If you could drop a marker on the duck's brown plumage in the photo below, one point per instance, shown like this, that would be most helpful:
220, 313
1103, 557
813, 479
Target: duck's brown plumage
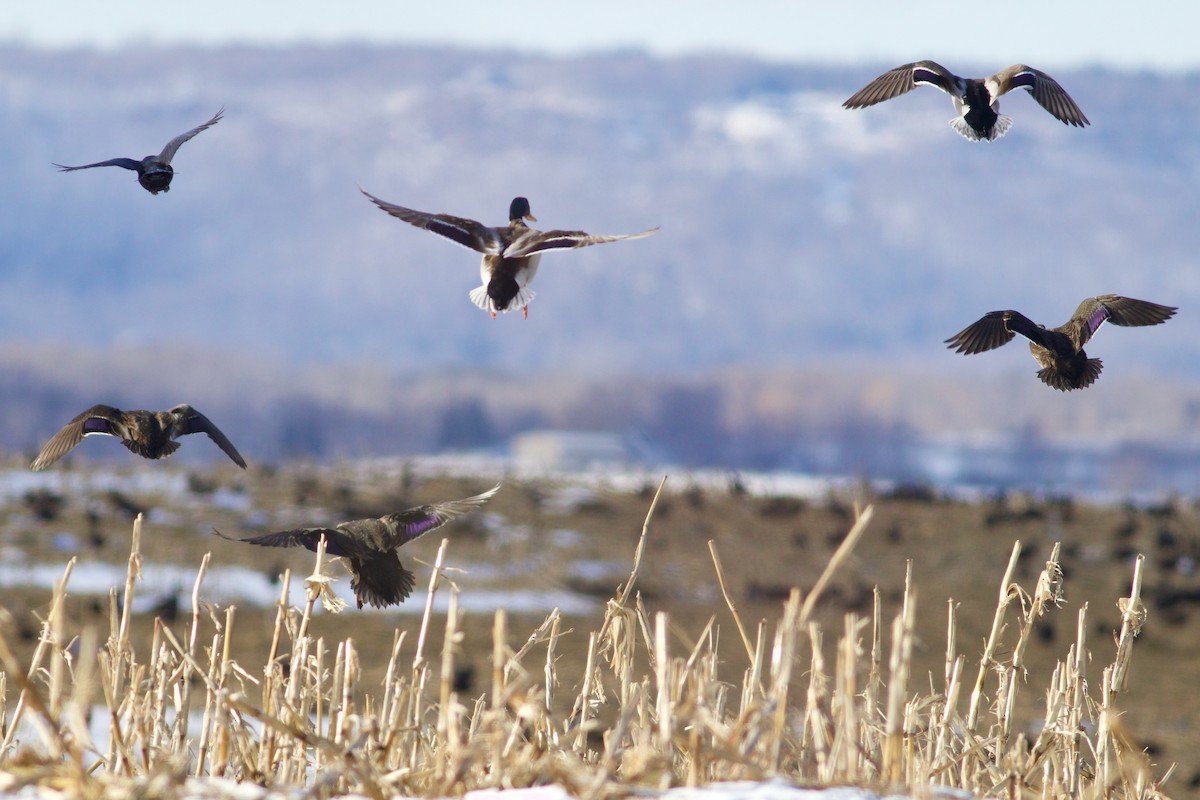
1059, 351
371, 546
151, 434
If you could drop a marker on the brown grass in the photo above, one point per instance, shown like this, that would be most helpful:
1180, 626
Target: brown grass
652, 707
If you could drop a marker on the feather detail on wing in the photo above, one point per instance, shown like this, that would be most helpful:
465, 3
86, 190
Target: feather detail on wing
414, 522
901, 80
168, 152
1127, 311
99, 419
991, 331
1048, 93
127, 163
540, 242
463, 231
195, 422
336, 542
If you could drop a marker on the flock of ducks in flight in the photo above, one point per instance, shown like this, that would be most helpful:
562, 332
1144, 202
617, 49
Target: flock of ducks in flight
510, 258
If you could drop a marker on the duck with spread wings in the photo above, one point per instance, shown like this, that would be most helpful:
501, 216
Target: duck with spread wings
371, 546
1059, 351
511, 254
976, 100
154, 172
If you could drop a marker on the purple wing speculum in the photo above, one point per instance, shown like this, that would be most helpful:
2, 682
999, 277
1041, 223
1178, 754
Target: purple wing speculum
424, 524
96, 425
1097, 318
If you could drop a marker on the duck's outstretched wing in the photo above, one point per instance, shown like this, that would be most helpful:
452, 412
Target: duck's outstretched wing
541, 241
337, 543
408, 525
904, 79
1125, 311
168, 152
1045, 90
99, 419
992, 330
466, 232
127, 163
192, 421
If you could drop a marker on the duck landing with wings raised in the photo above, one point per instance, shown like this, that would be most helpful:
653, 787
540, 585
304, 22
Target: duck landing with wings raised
154, 172
1059, 351
510, 254
371, 546
977, 100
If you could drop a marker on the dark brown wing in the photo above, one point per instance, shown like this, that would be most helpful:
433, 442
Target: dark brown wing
992, 330
168, 152
1045, 90
99, 419
1130, 312
408, 525
466, 232
127, 163
1125, 311
337, 543
195, 422
901, 80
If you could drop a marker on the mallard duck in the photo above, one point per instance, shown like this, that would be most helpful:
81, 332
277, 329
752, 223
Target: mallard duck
371, 546
1059, 351
150, 434
975, 99
154, 172
510, 254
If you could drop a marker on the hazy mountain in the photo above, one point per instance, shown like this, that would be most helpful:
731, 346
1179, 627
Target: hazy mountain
790, 227
794, 232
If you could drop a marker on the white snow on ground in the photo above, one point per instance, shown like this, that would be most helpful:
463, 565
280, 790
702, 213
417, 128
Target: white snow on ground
243, 586
226, 789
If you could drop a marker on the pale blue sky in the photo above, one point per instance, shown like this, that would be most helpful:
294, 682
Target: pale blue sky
1046, 33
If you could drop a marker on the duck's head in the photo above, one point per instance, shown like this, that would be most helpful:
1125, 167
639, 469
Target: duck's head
519, 210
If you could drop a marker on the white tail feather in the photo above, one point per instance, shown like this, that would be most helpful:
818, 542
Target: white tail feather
479, 297
1002, 126
482, 299
963, 129
1003, 123
524, 297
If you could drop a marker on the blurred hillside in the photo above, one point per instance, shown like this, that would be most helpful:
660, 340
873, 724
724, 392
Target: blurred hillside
811, 259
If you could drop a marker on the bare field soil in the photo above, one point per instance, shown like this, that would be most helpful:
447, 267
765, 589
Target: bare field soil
573, 541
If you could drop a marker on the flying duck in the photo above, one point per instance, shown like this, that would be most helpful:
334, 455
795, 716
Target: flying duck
510, 254
975, 99
1059, 351
150, 434
371, 546
154, 172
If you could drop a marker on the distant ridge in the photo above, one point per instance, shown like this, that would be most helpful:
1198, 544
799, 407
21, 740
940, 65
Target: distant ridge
791, 228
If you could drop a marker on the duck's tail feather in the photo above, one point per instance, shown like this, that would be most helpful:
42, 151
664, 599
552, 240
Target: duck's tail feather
1003, 123
481, 298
